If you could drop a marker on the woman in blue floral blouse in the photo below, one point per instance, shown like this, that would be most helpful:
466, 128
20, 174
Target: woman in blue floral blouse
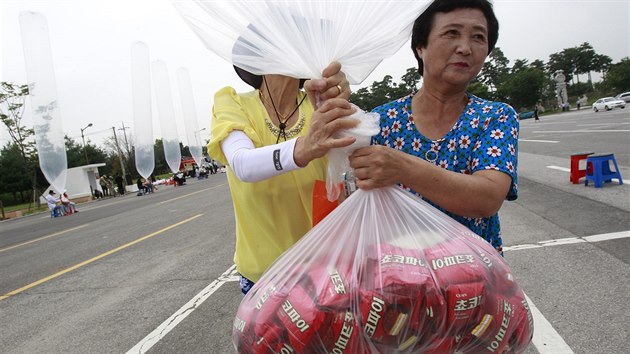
455, 150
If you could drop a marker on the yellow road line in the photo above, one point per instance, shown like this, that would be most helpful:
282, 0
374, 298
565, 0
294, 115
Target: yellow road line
42, 238
76, 266
189, 194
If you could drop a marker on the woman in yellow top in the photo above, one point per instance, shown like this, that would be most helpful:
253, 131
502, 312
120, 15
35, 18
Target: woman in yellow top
273, 143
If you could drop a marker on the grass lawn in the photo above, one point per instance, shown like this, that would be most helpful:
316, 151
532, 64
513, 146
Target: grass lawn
25, 208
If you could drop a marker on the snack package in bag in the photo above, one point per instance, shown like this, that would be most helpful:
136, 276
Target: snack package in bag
385, 272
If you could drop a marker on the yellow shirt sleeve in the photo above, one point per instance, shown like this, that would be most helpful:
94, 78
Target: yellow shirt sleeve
230, 112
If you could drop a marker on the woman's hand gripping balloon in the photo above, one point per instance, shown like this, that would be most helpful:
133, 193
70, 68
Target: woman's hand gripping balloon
333, 84
330, 95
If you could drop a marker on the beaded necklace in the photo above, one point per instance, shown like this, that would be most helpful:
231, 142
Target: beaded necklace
281, 129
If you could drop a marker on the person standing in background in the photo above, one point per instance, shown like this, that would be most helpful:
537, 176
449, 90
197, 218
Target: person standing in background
119, 184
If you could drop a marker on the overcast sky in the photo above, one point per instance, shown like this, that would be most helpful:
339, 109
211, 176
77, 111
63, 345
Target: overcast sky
91, 42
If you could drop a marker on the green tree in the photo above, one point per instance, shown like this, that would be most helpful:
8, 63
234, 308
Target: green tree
161, 166
494, 70
524, 87
385, 90
578, 60
14, 173
601, 63
12, 98
478, 89
409, 81
75, 153
617, 78
563, 62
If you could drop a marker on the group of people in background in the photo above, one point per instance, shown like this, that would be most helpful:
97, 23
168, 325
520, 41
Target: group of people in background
60, 206
111, 186
145, 185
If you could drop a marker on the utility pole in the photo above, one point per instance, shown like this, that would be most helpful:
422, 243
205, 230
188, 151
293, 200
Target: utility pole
124, 129
127, 149
87, 162
122, 165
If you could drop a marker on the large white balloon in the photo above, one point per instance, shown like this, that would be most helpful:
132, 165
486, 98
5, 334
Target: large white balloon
193, 133
49, 137
142, 117
299, 38
164, 98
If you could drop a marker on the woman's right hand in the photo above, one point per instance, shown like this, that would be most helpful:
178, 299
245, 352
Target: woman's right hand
321, 136
333, 84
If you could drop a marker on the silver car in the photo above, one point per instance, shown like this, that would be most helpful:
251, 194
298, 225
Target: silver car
624, 97
608, 103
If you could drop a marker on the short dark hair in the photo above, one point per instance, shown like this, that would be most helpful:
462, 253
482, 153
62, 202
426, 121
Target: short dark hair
424, 23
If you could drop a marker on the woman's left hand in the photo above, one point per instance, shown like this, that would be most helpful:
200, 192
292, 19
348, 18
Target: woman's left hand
376, 166
333, 85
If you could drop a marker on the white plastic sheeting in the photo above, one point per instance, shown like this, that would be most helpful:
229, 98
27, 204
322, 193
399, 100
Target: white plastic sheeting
299, 38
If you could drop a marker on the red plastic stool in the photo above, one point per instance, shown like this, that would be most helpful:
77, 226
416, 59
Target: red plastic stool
598, 169
576, 173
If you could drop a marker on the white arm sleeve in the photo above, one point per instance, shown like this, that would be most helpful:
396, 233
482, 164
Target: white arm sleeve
252, 164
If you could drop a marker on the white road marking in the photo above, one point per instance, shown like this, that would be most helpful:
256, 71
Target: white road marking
582, 131
546, 339
570, 240
564, 169
600, 124
189, 194
538, 141
162, 330
606, 237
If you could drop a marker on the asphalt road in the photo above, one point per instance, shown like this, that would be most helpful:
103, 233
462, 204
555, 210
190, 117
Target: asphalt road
155, 273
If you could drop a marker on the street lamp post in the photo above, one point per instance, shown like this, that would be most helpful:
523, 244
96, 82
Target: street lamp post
87, 162
198, 137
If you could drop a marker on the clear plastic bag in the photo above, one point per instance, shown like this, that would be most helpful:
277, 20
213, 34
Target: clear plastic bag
338, 165
385, 272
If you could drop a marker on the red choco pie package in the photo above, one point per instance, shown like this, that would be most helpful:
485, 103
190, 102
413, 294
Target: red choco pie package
385, 273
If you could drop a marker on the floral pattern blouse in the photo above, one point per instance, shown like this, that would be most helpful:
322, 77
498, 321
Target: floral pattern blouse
484, 137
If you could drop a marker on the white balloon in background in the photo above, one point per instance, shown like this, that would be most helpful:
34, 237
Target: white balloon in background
170, 139
193, 133
49, 137
142, 118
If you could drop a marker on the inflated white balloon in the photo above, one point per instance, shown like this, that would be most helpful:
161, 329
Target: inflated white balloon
49, 137
142, 117
166, 112
193, 133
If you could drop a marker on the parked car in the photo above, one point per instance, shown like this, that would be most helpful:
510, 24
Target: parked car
624, 97
608, 103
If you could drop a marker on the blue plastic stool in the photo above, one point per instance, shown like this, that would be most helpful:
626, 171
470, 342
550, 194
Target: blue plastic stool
598, 169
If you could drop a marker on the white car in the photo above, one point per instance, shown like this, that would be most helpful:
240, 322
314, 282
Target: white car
608, 103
